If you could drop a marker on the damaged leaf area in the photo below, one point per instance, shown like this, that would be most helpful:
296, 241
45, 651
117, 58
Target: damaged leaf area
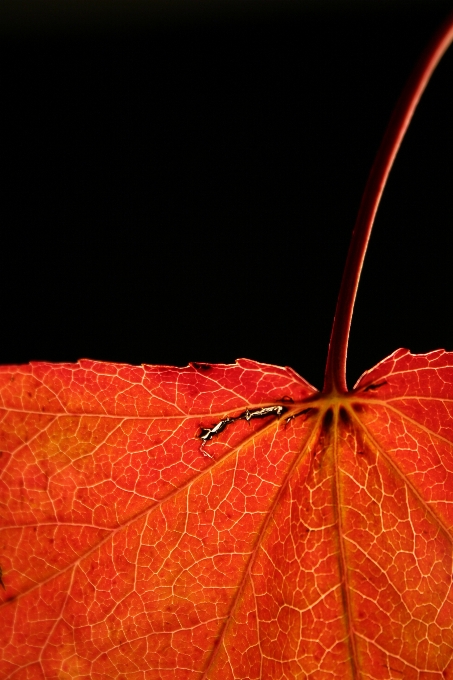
140, 539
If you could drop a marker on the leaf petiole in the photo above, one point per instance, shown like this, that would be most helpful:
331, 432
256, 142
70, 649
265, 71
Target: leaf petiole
335, 373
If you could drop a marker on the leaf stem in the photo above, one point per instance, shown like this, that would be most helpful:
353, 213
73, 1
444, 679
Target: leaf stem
335, 375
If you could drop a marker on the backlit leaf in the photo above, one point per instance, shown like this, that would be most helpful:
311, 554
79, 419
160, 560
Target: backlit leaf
314, 546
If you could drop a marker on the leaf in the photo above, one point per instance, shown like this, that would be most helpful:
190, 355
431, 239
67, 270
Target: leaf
315, 546
229, 521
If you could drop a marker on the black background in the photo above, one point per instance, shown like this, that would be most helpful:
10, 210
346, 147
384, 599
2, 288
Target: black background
180, 184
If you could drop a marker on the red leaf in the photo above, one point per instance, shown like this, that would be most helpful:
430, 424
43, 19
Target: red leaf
231, 522
320, 544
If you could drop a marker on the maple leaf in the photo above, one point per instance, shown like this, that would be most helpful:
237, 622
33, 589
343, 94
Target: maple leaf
230, 521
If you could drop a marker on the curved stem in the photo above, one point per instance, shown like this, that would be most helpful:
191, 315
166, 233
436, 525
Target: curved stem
335, 375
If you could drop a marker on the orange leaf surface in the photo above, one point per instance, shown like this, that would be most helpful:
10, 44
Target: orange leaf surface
230, 522
311, 546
